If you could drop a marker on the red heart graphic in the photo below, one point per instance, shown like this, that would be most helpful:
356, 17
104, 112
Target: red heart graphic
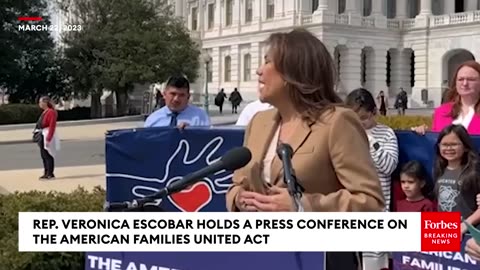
193, 198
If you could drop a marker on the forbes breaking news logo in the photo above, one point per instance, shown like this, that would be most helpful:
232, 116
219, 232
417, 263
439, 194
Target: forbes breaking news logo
441, 231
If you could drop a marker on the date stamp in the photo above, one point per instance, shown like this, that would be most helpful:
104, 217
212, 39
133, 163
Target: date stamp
49, 28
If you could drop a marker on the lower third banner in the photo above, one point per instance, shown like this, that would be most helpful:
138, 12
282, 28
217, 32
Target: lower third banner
205, 261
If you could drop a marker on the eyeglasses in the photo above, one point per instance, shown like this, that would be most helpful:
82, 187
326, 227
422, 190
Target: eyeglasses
450, 145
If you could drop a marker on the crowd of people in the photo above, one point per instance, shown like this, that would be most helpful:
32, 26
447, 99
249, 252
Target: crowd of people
340, 140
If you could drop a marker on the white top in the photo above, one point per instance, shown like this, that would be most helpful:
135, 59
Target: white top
269, 156
465, 121
250, 110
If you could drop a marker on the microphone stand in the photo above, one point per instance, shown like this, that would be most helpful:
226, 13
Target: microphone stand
133, 206
294, 189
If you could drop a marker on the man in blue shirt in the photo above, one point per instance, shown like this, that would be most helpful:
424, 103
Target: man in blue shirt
177, 111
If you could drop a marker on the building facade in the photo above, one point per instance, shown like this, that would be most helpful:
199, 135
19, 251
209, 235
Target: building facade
377, 44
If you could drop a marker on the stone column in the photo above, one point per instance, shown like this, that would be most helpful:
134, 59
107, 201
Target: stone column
350, 67
255, 58
323, 13
216, 67
400, 70
421, 72
425, 7
236, 13
448, 7
322, 6
235, 65
376, 68
351, 6
471, 5
352, 9
333, 6
218, 16
401, 9
377, 8
179, 8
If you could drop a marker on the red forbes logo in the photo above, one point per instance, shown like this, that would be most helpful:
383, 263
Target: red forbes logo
441, 231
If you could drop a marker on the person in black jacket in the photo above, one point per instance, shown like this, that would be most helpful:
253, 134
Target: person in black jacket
235, 99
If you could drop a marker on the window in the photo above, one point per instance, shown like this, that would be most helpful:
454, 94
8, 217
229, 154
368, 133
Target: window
194, 18
228, 12
248, 11
367, 8
228, 69
246, 67
270, 9
341, 6
314, 5
211, 15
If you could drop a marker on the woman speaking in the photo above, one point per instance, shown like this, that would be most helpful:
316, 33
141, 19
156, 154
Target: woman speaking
331, 155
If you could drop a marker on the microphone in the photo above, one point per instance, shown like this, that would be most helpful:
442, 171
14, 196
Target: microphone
232, 160
285, 154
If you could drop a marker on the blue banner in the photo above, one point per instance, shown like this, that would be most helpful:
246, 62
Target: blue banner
142, 161
435, 260
204, 261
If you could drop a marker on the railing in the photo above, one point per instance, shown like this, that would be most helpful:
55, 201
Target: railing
406, 24
307, 19
457, 18
341, 19
368, 22
392, 24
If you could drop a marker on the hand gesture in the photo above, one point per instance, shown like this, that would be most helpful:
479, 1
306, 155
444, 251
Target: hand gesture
420, 130
473, 249
243, 201
277, 200
182, 125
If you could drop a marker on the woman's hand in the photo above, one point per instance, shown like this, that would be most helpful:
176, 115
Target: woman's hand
277, 200
463, 229
242, 201
478, 200
420, 129
473, 249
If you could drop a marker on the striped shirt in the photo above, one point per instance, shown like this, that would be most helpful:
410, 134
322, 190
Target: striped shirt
384, 152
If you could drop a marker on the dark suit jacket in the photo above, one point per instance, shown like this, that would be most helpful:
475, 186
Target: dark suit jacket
331, 159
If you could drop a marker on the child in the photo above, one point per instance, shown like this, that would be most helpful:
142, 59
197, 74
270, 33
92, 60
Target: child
384, 153
382, 139
457, 174
414, 185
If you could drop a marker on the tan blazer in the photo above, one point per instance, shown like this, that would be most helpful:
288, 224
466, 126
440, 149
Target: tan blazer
331, 160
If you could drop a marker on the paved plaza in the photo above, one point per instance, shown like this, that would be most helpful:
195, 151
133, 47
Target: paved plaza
81, 161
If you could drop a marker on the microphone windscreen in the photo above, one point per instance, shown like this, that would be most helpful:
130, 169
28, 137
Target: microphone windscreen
284, 149
236, 158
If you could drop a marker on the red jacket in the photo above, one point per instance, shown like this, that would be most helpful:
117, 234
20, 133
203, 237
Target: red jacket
50, 121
